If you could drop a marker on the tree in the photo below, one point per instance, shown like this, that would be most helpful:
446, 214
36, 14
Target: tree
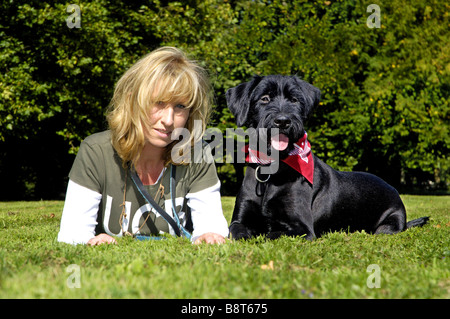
55, 84
384, 105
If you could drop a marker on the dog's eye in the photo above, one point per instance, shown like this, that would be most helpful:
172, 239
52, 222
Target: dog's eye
294, 100
265, 99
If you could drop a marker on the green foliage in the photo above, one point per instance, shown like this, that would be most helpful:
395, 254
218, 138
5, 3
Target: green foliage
52, 71
384, 90
413, 264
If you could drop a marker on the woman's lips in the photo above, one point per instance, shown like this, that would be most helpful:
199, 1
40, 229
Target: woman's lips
163, 133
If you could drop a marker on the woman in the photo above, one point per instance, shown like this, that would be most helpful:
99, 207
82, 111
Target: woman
162, 92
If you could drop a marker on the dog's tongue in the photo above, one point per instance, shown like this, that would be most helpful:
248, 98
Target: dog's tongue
280, 142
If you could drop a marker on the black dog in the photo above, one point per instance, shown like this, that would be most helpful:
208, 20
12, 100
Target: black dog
308, 198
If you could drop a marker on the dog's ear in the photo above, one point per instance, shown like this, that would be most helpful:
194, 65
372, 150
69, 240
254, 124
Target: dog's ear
238, 99
311, 95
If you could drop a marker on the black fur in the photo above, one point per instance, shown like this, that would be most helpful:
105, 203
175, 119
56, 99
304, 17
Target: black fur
287, 204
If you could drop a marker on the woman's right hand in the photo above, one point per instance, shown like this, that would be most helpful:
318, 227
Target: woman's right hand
101, 239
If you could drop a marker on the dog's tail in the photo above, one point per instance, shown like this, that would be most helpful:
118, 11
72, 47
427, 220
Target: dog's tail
419, 222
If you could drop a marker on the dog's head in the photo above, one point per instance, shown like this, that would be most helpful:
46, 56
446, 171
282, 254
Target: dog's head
274, 102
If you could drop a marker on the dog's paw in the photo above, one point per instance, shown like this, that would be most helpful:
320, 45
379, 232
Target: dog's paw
239, 231
240, 235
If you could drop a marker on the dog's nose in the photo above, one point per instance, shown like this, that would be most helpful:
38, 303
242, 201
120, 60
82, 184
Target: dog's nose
282, 122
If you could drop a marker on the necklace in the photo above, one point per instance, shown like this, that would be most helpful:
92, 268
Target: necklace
123, 214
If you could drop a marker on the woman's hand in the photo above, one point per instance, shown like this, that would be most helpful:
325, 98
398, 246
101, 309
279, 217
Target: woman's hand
101, 239
210, 238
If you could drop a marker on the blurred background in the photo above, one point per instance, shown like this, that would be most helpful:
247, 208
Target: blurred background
384, 77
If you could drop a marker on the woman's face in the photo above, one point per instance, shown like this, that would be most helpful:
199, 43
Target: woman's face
164, 117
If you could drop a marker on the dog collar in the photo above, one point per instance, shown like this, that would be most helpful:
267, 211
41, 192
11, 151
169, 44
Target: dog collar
300, 158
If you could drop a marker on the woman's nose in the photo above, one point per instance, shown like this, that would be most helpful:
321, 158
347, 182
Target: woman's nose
167, 116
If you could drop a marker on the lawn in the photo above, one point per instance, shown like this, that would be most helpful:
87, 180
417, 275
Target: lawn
412, 264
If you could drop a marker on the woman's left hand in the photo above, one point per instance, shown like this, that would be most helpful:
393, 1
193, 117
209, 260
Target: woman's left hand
210, 238
101, 239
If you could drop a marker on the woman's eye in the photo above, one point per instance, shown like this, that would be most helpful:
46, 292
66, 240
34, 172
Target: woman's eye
265, 99
180, 106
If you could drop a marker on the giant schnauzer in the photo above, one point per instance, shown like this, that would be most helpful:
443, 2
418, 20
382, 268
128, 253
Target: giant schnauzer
304, 196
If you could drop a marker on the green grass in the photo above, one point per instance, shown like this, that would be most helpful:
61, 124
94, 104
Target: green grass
413, 264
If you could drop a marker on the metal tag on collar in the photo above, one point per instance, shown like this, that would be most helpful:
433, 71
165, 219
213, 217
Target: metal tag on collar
258, 179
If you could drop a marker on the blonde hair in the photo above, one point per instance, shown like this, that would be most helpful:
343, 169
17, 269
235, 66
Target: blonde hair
163, 75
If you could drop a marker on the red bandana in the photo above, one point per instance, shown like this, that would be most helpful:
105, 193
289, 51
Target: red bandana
300, 158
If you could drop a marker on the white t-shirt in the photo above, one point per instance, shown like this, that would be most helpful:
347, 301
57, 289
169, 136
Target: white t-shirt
95, 197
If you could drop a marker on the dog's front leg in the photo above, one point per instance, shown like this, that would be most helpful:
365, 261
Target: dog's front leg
288, 214
247, 220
